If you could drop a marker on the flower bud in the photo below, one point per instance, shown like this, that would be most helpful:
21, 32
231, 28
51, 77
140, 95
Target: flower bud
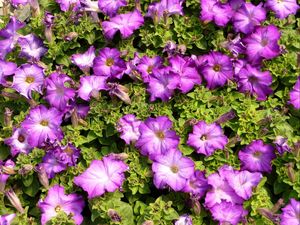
14, 200
148, 222
120, 156
291, 172
113, 214
226, 117
7, 117
25, 169
120, 91
70, 36
42, 175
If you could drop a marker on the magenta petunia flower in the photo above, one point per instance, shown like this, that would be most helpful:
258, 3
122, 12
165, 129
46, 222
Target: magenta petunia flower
31, 47
251, 80
58, 94
6, 46
282, 8
146, 65
16, 3
128, 126
109, 63
156, 136
262, 44
247, 17
69, 154
10, 30
66, 5
85, 60
216, 11
109, 7
3, 176
295, 95
6, 69
236, 4
184, 220
172, 169
197, 184
90, 86
125, 23
290, 213
7, 219
18, 142
28, 78
228, 213
162, 84
101, 176
235, 46
186, 71
57, 201
257, 157
207, 138
52, 164
89, 6
281, 145
217, 70
42, 124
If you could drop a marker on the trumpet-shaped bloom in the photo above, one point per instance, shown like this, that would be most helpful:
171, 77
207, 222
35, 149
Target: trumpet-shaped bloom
295, 95
281, 145
18, 142
101, 176
169, 7
184, 220
10, 30
6, 69
197, 184
66, 5
57, 201
85, 60
146, 65
7, 219
90, 86
128, 126
283, 8
111, 8
31, 47
3, 176
290, 213
172, 169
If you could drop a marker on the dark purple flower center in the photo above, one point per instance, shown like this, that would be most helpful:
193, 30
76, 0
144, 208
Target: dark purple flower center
203, 137
160, 134
57, 208
69, 151
264, 42
29, 79
21, 138
252, 79
257, 154
149, 69
44, 123
174, 169
217, 68
109, 62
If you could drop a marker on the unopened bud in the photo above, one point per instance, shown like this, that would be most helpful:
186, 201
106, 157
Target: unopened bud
196, 207
278, 205
269, 214
113, 214
35, 7
7, 117
120, 156
148, 222
14, 200
291, 172
226, 117
70, 36
25, 169
181, 49
42, 175
7, 170
120, 91
74, 117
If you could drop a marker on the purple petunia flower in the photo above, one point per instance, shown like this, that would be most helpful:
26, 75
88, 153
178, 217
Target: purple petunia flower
109, 7
257, 157
109, 63
247, 17
281, 144
214, 10
66, 5
42, 124
28, 78
206, 138
7, 219
186, 71
162, 84
146, 65
283, 8
16, 3
156, 136
125, 23
10, 30
262, 44
255, 82
31, 47
52, 164
184, 220
128, 126
85, 60
217, 70
228, 213
6, 69
6, 46
290, 213
57, 201
58, 94
90, 86
69, 154
172, 169
18, 142
295, 95
235, 45
197, 184
3, 176
102, 175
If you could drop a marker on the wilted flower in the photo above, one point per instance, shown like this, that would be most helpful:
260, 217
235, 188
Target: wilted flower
85, 60
128, 126
125, 23
68, 154
257, 157
109, 7
184, 220
18, 142
66, 5
281, 144
156, 136
42, 124
197, 184
120, 91
206, 138
57, 201
28, 78
290, 213
6, 69
295, 95
3, 176
31, 47
172, 169
90, 86
146, 65
7, 219
283, 8
14, 200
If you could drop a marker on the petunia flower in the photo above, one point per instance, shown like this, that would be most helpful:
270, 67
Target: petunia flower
3, 176
90, 86
57, 201
17, 3
111, 8
184, 220
6, 69
18, 142
290, 213
206, 138
146, 65
257, 157
281, 145
262, 44
247, 17
109, 63
282, 8
42, 124
66, 5
28, 78
197, 184
6, 46
101, 176
52, 164
156, 136
31, 47
250, 79
217, 70
85, 60
295, 95
172, 169
128, 126
57, 93
125, 23
10, 30
6, 219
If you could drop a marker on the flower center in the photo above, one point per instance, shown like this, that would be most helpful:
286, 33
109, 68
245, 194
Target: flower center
44, 123
217, 67
69, 151
57, 208
60, 91
160, 134
264, 42
109, 62
252, 79
174, 169
149, 69
257, 154
21, 138
29, 79
203, 137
